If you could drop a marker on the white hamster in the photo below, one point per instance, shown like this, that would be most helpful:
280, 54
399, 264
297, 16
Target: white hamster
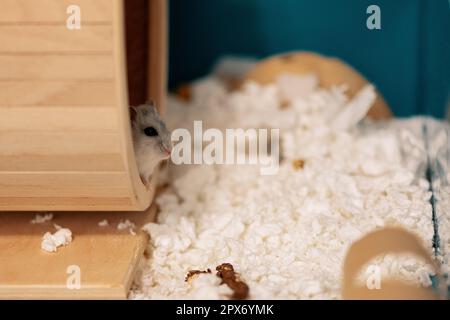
152, 140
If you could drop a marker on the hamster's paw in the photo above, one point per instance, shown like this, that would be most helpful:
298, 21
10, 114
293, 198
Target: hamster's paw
146, 181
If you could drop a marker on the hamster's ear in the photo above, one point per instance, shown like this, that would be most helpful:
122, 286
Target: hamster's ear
151, 104
133, 113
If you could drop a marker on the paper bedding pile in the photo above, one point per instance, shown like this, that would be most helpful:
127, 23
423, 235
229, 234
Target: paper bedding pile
287, 234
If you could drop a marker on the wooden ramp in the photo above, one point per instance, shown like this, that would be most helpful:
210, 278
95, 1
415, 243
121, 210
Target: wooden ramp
107, 257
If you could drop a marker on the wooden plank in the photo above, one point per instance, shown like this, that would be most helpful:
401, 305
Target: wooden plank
51, 119
53, 10
142, 196
56, 67
56, 192
57, 93
64, 190
55, 38
95, 182
58, 143
63, 180
107, 258
65, 204
157, 65
50, 163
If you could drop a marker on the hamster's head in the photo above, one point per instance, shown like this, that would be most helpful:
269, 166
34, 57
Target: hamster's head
151, 130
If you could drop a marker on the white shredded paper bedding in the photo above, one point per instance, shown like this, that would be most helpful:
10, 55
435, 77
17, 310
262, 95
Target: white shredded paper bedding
52, 241
286, 234
42, 218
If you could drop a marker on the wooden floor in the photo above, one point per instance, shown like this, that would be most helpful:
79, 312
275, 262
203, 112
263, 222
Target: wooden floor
107, 257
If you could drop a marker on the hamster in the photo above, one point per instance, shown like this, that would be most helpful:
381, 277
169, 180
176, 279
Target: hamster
151, 139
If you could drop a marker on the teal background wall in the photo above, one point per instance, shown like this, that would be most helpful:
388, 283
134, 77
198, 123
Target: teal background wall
408, 59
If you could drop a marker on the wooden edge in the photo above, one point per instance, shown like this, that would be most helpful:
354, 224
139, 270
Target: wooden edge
140, 196
157, 66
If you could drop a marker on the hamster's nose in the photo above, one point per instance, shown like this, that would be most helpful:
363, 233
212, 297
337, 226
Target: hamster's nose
168, 150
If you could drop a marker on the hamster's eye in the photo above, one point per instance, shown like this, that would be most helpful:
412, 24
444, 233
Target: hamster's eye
150, 132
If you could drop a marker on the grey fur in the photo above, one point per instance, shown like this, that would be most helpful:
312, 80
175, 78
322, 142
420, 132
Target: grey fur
149, 151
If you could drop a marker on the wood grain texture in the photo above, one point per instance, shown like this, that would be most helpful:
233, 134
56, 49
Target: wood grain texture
137, 46
62, 186
56, 67
105, 162
57, 93
67, 143
55, 38
66, 204
14, 11
83, 185
107, 257
58, 119
57, 139
157, 65
64, 180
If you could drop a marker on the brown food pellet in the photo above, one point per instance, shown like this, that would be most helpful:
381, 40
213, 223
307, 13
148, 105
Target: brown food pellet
234, 84
298, 164
193, 273
184, 92
284, 104
226, 272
